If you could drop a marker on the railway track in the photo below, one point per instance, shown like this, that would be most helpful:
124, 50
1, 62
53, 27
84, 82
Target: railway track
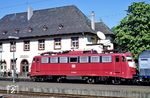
75, 90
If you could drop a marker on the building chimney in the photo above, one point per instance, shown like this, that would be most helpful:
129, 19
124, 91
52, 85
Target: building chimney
30, 13
93, 20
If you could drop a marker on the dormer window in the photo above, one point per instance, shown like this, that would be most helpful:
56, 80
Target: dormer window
16, 30
60, 26
30, 29
45, 28
4, 32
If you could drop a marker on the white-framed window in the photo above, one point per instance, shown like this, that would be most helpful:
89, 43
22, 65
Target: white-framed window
106, 59
13, 63
12, 46
54, 60
84, 59
63, 59
26, 45
74, 42
44, 60
95, 59
1, 47
41, 44
57, 43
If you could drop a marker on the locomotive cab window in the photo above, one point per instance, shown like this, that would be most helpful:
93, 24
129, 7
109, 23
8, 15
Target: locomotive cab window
54, 60
95, 59
44, 60
63, 59
123, 59
84, 59
106, 59
73, 59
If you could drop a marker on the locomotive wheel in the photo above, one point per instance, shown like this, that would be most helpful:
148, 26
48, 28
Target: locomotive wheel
116, 81
59, 80
41, 79
35, 79
90, 80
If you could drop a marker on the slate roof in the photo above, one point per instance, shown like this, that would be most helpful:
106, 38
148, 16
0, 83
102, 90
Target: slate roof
100, 26
70, 18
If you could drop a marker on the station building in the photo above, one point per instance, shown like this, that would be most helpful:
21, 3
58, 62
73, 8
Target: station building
24, 35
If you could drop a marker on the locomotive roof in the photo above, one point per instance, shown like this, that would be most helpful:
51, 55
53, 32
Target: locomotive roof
59, 20
145, 54
79, 53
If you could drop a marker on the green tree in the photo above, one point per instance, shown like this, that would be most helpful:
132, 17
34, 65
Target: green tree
133, 32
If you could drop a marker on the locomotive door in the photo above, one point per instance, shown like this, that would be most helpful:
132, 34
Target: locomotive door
37, 65
73, 67
118, 65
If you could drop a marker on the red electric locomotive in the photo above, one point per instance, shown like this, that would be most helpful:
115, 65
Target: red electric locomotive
86, 65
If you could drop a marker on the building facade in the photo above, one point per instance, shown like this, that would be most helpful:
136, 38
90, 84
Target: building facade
55, 29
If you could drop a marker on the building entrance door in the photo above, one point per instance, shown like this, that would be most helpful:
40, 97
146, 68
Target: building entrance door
3, 68
24, 68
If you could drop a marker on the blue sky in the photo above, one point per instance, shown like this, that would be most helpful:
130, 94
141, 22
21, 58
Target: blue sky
109, 11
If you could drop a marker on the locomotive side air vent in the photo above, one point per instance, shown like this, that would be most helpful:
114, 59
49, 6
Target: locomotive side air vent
67, 51
54, 53
90, 51
49, 53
